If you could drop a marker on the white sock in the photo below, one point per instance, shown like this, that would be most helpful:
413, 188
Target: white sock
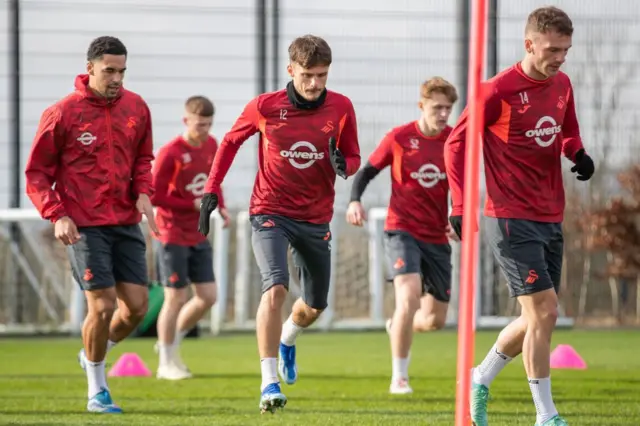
493, 364
541, 392
165, 353
290, 330
400, 368
269, 368
110, 345
96, 377
180, 335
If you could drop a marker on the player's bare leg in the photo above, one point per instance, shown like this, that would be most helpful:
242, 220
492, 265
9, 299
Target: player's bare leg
204, 297
507, 346
302, 316
268, 330
431, 316
408, 291
133, 302
101, 305
174, 300
541, 311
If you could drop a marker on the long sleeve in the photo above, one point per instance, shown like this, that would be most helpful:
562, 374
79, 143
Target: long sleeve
380, 158
165, 167
42, 167
571, 142
455, 147
348, 140
142, 180
361, 181
245, 126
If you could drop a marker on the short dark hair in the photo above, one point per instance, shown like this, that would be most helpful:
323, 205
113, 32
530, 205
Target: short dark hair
105, 45
549, 19
310, 51
200, 105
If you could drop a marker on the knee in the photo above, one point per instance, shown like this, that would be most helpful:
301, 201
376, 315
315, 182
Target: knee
310, 312
103, 308
174, 298
274, 298
207, 298
137, 310
408, 303
543, 310
408, 294
547, 314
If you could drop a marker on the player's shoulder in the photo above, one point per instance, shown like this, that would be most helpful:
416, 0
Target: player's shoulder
172, 148
63, 109
67, 103
444, 134
403, 130
133, 98
339, 100
212, 142
563, 79
269, 100
503, 83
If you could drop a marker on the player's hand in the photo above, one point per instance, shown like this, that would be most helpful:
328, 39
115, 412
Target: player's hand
207, 206
225, 217
356, 214
145, 207
451, 234
337, 159
65, 231
584, 166
456, 225
196, 203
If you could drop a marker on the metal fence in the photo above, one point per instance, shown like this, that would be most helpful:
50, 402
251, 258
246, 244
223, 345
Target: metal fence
382, 52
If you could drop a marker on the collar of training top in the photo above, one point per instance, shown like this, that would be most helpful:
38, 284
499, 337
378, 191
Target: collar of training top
300, 102
82, 86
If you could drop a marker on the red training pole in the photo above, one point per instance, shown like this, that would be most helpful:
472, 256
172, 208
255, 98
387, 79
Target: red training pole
469, 255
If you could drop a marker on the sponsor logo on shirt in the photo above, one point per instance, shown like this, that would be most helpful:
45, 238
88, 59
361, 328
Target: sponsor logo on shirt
302, 154
428, 175
196, 187
545, 131
86, 138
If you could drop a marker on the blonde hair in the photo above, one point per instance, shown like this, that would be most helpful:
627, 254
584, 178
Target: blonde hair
438, 85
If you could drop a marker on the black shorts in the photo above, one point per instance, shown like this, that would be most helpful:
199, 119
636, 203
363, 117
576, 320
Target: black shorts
179, 266
106, 255
407, 255
311, 249
529, 253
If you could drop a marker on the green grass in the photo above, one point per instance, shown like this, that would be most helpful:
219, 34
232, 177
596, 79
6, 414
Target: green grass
344, 380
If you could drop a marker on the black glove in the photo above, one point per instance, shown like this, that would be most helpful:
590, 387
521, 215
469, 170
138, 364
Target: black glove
207, 206
337, 159
584, 166
456, 225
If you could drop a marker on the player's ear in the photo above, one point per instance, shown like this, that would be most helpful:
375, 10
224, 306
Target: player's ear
184, 120
528, 45
90, 68
420, 105
290, 70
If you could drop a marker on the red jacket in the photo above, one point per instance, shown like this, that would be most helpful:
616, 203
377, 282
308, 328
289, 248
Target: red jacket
91, 158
